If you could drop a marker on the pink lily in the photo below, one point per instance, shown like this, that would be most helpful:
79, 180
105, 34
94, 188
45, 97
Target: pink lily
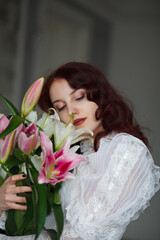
28, 139
5, 143
31, 97
56, 165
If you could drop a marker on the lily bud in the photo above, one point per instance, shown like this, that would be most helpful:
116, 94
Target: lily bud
28, 139
5, 143
31, 97
6, 146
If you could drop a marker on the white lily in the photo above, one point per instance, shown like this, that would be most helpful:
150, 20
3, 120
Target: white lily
47, 123
32, 117
74, 149
63, 131
37, 161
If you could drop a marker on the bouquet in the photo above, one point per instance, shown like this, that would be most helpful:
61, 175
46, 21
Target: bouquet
38, 145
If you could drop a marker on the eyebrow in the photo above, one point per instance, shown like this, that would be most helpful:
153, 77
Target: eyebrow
58, 100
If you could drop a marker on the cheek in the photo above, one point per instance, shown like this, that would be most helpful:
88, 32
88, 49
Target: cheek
63, 117
93, 112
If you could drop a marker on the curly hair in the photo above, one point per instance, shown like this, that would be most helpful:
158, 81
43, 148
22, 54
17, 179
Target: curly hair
114, 110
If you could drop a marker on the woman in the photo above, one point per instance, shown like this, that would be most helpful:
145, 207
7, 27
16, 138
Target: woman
118, 179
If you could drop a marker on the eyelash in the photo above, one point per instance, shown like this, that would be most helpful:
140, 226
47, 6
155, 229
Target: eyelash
60, 109
77, 99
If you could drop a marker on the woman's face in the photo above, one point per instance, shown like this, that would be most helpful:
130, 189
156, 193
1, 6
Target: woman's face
67, 100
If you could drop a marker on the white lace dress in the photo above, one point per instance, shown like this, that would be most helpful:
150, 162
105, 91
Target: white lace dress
111, 188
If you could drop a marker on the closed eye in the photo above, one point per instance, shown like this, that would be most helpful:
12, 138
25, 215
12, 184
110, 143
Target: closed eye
80, 97
61, 108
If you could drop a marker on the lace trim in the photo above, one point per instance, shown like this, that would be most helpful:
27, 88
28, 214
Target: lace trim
2, 220
151, 187
103, 233
44, 236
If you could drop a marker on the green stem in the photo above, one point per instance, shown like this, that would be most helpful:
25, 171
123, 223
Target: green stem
70, 119
6, 170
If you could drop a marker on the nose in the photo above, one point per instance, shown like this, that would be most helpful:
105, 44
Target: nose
73, 109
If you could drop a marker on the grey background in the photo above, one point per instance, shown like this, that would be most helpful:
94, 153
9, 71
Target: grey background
121, 37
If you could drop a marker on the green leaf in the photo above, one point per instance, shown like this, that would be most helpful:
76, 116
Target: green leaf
19, 217
26, 225
19, 154
56, 197
19, 214
10, 225
1, 181
58, 214
12, 161
14, 123
12, 108
41, 207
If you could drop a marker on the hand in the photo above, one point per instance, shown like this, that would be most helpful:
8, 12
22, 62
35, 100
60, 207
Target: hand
8, 194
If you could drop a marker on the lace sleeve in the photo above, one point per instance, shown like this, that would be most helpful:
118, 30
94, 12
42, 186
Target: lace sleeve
114, 189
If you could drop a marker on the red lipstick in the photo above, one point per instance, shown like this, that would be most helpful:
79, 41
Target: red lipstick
79, 121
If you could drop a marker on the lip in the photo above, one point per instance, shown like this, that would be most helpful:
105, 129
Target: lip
79, 121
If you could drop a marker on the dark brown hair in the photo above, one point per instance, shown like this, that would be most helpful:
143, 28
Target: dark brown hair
113, 109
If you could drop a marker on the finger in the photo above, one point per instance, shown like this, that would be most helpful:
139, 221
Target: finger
13, 179
18, 199
20, 189
14, 199
23, 189
16, 206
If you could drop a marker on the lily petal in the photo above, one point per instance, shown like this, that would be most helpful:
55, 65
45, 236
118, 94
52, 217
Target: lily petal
47, 123
32, 117
6, 146
4, 122
37, 161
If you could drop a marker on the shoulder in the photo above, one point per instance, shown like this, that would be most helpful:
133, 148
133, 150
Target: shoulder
121, 139
119, 149
123, 146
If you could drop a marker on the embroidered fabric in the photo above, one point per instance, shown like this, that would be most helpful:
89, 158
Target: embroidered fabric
2, 220
44, 236
111, 188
